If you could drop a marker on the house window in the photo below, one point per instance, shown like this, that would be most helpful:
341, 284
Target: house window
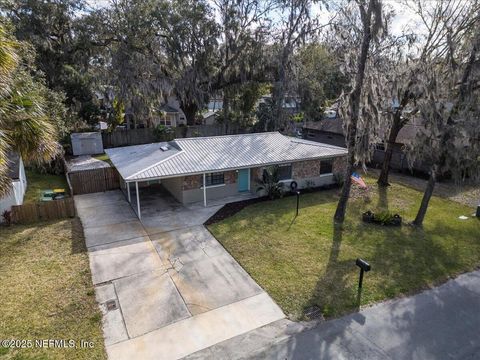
380, 146
285, 172
214, 179
326, 167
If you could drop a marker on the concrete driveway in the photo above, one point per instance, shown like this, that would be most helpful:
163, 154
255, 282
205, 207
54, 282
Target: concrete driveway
166, 287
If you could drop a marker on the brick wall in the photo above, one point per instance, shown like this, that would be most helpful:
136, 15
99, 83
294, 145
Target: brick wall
305, 169
255, 174
300, 170
339, 165
230, 177
193, 182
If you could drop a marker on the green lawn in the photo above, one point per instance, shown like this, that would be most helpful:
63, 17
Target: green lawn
46, 290
37, 182
306, 262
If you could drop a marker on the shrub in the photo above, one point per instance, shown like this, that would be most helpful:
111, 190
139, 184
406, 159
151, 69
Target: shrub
270, 183
382, 218
163, 133
7, 217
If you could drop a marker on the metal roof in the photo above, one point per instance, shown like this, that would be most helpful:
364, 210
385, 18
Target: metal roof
217, 153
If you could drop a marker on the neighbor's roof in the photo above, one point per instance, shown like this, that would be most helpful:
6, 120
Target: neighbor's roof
328, 125
168, 109
217, 153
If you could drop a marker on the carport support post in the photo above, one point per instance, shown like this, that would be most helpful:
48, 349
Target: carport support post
128, 192
138, 200
204, 190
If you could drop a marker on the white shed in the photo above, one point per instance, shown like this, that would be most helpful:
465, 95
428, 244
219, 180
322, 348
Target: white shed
87, 143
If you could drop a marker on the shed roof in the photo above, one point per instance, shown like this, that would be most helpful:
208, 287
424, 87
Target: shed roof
85, 162
86, 135
217, 153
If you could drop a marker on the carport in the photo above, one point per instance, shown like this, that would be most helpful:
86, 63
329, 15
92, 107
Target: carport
137, 162
134, 191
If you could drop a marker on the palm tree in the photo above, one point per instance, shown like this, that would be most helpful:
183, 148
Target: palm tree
25, 126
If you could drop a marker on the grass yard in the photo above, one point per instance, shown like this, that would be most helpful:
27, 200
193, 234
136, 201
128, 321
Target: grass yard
46, 290
306, 262
37, 182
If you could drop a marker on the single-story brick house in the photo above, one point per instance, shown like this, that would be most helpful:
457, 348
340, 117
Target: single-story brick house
205, 168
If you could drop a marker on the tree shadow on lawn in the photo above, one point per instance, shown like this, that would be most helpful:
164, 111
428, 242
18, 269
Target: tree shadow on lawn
407, 263
77, 236
382, 203
403, 261
427, 325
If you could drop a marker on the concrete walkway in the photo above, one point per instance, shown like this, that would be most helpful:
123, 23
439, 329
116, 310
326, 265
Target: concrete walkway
441, 323
166, 287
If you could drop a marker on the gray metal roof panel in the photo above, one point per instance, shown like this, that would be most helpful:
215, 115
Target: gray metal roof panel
217, 153
129, 160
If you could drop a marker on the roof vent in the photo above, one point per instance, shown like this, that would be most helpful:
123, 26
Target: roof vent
164, 148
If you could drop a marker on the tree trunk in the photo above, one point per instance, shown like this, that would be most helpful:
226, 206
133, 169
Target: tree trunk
279, 89
354, 103
397, 125
392, 139
226, 112
190, 111
422, 211
345, 194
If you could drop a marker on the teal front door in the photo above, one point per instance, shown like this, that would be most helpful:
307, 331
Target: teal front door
243, 179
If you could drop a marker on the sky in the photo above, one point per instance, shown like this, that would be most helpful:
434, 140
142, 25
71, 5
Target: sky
403, 17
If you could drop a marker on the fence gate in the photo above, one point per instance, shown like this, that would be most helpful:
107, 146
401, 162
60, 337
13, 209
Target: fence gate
95, 180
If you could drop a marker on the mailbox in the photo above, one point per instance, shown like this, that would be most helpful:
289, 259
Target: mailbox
362, 264
364, 267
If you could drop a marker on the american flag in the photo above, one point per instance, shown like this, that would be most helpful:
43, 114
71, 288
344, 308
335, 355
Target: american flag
358, 180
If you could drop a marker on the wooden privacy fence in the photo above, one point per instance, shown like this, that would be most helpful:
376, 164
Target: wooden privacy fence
95, 180
42, 211
147, 135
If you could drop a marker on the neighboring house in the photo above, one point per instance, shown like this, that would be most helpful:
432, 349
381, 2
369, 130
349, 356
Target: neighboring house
291, 104
101, 125
171, 116
210, 117
205, 168
19, 183
330, 131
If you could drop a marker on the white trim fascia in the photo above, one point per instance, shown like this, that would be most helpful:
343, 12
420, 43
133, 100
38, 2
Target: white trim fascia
212, 186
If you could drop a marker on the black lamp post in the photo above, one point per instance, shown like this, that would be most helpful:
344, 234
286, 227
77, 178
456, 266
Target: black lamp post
364, 266
298, 201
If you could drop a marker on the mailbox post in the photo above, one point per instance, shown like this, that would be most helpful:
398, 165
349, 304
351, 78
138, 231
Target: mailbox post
364, 267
